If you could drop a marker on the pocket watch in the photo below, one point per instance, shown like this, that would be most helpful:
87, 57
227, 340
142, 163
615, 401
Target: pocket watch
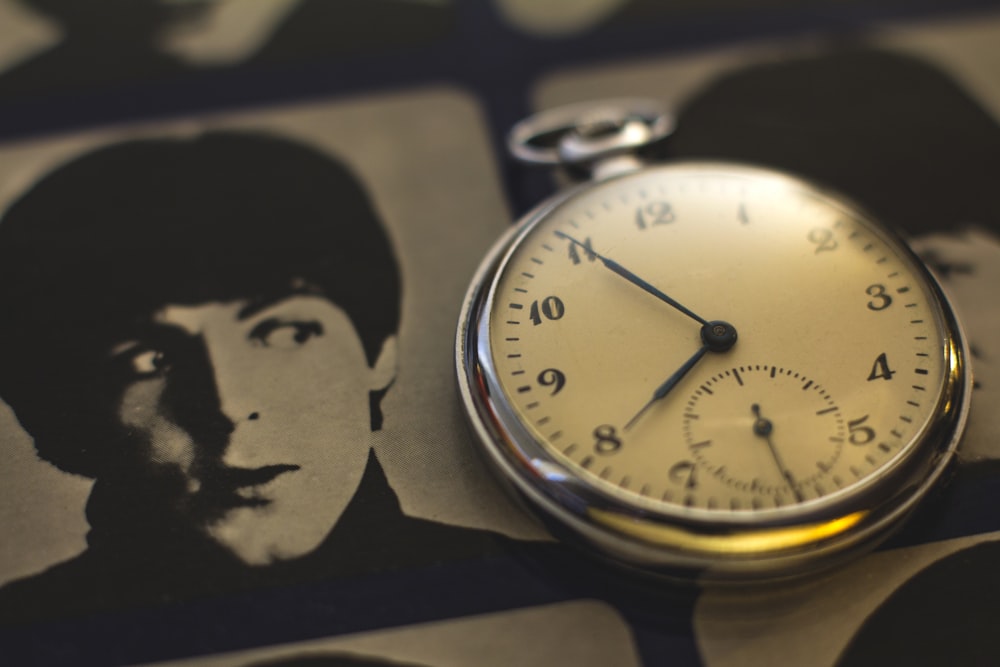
706, 370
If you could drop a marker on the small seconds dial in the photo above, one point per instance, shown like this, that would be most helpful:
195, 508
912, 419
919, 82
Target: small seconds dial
716, 340
746, 427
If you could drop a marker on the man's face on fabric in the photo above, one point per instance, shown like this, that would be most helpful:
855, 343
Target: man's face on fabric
257, 416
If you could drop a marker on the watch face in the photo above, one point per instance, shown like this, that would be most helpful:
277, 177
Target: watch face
717, 345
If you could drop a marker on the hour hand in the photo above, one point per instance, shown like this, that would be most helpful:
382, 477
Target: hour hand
668, 384
717, 336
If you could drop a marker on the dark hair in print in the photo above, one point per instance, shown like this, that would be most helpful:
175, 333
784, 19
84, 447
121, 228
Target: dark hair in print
97, 246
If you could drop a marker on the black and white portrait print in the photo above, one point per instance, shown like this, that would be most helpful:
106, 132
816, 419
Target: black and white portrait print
206, 321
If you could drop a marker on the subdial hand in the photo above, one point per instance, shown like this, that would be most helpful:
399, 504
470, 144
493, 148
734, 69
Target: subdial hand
717, 336
763, 427
632, 278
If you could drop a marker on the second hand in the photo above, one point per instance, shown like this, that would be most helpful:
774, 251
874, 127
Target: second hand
763, 428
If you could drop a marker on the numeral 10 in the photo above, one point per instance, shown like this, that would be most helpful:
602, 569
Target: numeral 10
550, 308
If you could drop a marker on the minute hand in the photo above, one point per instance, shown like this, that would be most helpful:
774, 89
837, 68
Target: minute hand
634, 279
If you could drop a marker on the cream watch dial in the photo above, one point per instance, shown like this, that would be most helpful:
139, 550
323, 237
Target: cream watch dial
713, 345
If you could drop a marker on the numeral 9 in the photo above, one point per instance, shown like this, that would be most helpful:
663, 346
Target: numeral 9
551, 377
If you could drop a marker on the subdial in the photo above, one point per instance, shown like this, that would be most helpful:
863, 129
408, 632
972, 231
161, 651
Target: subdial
766, 431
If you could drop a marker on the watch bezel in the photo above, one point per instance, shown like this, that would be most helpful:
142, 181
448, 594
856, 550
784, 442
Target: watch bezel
715, 546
